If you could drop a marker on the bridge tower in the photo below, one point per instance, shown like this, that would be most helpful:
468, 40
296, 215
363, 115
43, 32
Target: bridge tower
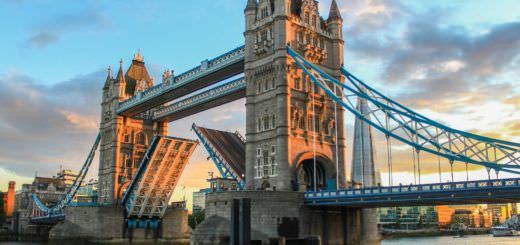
284, 113
124, 139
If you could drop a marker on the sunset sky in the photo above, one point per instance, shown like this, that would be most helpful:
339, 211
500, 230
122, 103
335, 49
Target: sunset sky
457, 62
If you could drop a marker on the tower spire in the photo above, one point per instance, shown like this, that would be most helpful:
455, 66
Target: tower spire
120, 74
109, 76
334, 13
138, 56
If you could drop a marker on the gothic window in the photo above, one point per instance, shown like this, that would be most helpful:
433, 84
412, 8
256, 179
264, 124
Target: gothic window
266, 85
318, 125
273, 121
302, 122
141, 139
128, 162
273, 83
273, 165
264, 12
307, 17
297, 83
126, 137
314, 22
259, 164
259, 124
300, 37
308, 39
263, 35
266, 162
266, 122
259, 87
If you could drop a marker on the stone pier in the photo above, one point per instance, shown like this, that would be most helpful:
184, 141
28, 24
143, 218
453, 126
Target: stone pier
276, 214
107, 224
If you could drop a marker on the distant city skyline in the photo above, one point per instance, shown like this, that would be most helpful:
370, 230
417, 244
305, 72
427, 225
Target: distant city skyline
451, 61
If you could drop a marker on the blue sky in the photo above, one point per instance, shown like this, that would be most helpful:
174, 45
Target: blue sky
456, 61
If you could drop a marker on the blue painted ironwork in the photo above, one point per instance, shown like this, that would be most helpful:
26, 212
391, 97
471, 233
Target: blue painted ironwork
485, 191
48, 219
221, 62
224, 168
413, 129
197, 99
71, 192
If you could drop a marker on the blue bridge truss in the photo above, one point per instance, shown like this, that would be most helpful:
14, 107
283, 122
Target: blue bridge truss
422, 135
55, 212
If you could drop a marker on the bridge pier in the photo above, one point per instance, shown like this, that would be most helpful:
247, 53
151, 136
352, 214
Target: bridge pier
279, 214
107, 224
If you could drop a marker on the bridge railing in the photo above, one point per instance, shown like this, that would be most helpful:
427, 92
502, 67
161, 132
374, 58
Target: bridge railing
401, 189
202, 70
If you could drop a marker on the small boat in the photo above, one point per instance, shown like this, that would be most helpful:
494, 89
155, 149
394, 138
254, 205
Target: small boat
499, 231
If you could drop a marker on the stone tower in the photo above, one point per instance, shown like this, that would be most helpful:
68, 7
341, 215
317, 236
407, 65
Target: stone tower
280, 102
9, 200
124, 140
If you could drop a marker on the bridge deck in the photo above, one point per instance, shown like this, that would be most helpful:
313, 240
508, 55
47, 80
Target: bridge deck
205, 100
150, 191
211, 72
229, 146
477, 192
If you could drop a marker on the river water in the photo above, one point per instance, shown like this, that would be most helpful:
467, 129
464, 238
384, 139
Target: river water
469, 240
444, 240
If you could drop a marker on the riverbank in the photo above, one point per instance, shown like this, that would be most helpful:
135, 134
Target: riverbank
392, 234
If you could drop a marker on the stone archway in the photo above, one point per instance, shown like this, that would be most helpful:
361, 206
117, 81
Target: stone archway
325, 171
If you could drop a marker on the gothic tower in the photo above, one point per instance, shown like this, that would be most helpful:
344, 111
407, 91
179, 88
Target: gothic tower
124, 140
289, 122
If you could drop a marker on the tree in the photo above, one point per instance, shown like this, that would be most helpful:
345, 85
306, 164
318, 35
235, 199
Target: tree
196, 218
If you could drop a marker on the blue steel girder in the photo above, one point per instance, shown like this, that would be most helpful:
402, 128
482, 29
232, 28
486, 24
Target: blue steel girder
71, 192
225, 169
158, 175
482, 191
205, 100
417, 131
161, 93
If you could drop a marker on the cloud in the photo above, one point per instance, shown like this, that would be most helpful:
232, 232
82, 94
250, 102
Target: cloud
50, 32
43, 127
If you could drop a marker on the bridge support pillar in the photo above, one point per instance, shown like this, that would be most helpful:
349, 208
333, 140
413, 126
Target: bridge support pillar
279, 215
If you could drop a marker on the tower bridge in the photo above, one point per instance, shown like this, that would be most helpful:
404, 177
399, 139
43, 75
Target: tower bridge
292, 163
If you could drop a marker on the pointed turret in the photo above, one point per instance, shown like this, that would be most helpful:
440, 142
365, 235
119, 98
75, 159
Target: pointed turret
120, 74
137, 76
334, 13
109, 78
251, 5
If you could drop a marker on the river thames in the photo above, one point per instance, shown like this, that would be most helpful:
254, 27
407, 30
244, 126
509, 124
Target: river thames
469, 240
441, 240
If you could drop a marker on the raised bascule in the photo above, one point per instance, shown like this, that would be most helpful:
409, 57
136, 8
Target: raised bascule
291, 165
